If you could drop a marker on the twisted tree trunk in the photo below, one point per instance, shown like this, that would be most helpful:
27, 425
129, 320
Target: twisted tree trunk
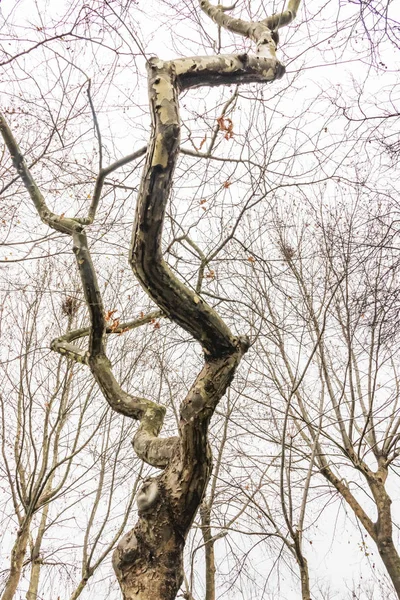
149, 560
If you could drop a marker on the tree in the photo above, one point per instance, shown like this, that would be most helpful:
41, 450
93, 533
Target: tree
245, 209
331, 305
58, 449
148, 560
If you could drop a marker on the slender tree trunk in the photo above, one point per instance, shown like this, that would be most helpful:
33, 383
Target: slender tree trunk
305, 579
17, 559
36, 562
381, 532
303, 565
384, 533
205, 515
81, 585
34, 580
391, 560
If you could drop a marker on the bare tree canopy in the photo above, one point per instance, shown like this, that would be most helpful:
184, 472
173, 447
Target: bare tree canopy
199, 233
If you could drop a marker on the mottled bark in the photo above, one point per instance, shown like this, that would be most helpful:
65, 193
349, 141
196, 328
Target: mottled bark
149, 560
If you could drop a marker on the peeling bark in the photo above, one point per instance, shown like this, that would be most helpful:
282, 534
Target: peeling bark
149, 559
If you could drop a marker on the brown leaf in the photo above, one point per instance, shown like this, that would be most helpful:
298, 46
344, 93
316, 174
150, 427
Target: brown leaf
114, 325
226, 125
109, 315
123, 330
203, 141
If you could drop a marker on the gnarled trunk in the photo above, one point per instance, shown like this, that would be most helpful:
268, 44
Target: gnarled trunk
148, 560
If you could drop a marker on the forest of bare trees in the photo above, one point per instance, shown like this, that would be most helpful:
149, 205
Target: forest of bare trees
199, 300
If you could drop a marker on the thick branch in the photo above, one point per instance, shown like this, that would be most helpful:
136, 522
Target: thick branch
166, 79
350, 499
63, 345
284, 18
148, 446
259, 32
226, 69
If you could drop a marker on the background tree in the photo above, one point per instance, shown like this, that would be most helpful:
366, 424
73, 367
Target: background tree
60, 455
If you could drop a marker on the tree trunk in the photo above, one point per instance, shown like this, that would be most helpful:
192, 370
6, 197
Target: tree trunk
17, 559
305, 579
391, 560
384, 531
205, 515
148, 561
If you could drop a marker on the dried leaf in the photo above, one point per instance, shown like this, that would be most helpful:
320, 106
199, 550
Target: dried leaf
123, 330
226, 125
109, 315
203, 141
114, 325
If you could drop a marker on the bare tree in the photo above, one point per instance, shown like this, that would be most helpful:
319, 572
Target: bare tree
331, 304
243, 245
148, 560
53, 442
